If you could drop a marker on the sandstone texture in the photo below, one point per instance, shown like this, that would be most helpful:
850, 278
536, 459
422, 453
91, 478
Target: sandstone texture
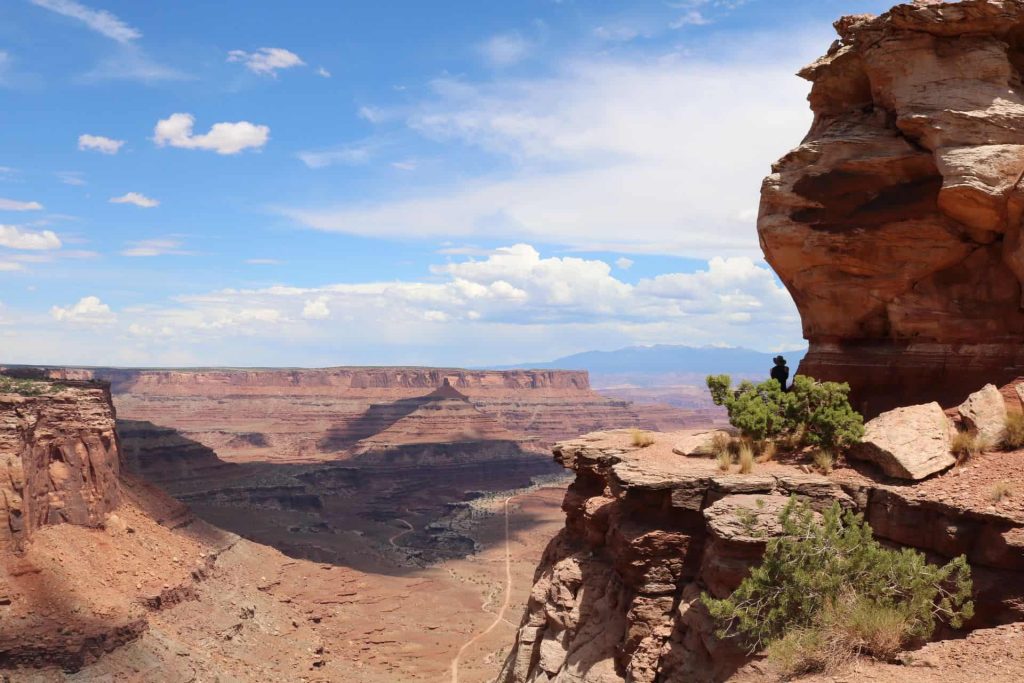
616, 596
896, 224
59, 460
984, 412
909, 443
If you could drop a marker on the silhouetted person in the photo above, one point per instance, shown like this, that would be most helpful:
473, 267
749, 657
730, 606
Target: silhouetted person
780, 372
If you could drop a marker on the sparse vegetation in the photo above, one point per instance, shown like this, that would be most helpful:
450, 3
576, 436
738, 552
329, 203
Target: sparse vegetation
641, 438
1014, 438
724, 460
720, 443
966, 445
746, 458
824, 460
999, 491
28, 387
827, 591
811, 413
766, 451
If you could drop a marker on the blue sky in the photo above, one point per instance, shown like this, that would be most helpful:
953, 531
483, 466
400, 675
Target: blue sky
459, 183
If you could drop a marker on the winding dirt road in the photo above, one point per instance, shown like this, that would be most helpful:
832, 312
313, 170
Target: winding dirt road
500, 616
408, 528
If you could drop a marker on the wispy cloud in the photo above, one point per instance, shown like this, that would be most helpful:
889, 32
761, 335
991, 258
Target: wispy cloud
323, 73
267, 61
222, 138
130, 63
504, 49
349, 155
100, 21
99, 143
137, 199
15, 205
161, 246
71, 177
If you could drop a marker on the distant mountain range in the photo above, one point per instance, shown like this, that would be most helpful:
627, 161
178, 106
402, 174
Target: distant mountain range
674, 363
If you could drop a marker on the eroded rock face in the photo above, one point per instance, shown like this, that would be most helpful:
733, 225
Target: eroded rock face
59, 461
896, 224
616, 597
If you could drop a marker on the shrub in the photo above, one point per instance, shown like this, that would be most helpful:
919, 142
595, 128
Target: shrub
28, 387
810, 413
724, 460
823, 409
966, 445
641, 438
746, 458
1003, 489
819, 572
824, 460
1014, 438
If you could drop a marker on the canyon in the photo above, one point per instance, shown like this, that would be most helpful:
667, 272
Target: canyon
896, 223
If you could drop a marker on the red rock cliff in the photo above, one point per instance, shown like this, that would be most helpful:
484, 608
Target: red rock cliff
59, 460
896, 224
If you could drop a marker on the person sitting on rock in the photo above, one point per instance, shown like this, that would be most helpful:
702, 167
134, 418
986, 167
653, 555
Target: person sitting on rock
780, 373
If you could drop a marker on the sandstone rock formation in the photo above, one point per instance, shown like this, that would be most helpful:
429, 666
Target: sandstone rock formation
984, 412
318, 414
912, 442
896, 224
616, 597
59, 460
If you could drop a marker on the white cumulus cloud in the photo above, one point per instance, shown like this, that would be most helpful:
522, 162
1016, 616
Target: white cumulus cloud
137, 199
99, 143
316, 309
223, 138
88, 311
13, 237
101, 21
267, 61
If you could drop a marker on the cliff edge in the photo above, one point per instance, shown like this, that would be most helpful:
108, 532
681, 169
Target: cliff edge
896, 224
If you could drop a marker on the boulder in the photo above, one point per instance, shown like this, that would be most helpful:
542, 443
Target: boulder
912, 442
698, 443
984, 411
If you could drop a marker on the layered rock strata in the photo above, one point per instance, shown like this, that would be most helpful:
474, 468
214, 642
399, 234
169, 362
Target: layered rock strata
318, 414
616, 596
896, 224
59, 459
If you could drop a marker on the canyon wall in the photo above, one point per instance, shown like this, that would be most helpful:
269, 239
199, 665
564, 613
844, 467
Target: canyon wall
617, 594
316, 414
59, 459
896, 224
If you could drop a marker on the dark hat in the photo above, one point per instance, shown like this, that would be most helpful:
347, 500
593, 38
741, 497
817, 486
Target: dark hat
779, 360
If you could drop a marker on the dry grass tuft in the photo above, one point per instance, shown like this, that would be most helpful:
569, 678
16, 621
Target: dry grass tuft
998, 492
766, 451
853, 628
746, 458
724, 460
967, 445
1014, 438
720, 443
641, 438
824, 460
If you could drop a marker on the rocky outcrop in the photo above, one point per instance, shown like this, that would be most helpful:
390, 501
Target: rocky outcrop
912, 442
59, 459
896, 224
984, 412
617, 594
